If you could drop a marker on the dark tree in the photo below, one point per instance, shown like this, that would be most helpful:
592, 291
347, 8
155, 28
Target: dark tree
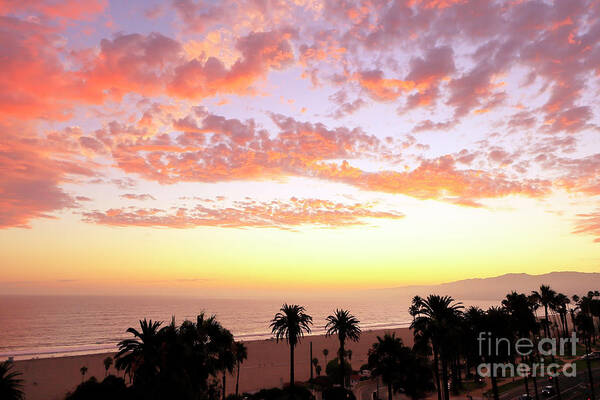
290, 323
345, 326
11, 384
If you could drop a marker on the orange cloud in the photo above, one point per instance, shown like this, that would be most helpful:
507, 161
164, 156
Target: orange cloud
132, 63
33, 81
382, 89
589, 224
30, 178
261, 52
231, 149
69, 9
244, 214
36, 83
436, 179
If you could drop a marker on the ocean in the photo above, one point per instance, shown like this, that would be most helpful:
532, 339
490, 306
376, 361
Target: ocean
51, 326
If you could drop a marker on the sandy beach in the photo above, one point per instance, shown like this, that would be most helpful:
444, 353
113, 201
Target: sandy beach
267, 365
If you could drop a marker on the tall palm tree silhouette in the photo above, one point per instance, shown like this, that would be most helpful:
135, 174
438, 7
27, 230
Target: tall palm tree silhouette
241, 354
345, 326
497, 324
560, 303
10, 383
140, 356
390, 360
545, 297
523, 319
290, 323
208, 350
219, 343
585, 328
438, 316
413, 310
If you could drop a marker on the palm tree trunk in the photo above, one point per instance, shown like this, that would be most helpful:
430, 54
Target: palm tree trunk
291, 365
445, 377
390, 391
556, 381
495, 386
237, 381
535, 388
525, 379
224, 384
588, 349
436, 372
532, 360
546, 327
342, 366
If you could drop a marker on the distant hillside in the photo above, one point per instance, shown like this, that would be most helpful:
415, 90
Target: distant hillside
497, 287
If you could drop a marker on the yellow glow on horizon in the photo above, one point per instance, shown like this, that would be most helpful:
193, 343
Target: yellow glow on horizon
436, 242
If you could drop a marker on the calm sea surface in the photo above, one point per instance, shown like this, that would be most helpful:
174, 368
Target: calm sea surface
47, 326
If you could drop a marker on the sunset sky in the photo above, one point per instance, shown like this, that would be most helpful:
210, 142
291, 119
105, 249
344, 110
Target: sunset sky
243, 145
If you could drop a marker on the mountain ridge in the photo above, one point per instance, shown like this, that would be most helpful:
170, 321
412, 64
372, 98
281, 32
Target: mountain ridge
496, 287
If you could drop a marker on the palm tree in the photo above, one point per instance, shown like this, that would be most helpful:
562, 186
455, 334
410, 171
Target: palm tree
438, 318
325, 354
589, 306
585, 328
83, 371
345, 326
200, 351
545, 297
290, 323
399, 367
418, 380
219, 347
241, 354
561, 301
140, 356
108, 361
413, 310
384, 360
522, 320
10, 383
497, 323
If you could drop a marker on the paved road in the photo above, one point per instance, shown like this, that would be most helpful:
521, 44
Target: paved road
570, 388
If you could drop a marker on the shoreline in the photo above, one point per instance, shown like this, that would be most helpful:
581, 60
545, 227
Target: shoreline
25, 355
267, 365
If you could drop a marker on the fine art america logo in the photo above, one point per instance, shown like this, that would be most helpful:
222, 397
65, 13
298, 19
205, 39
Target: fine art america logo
500, 355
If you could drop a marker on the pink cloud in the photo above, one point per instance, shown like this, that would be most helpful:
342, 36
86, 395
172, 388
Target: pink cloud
261, 52
30, 181
134, 196
279, 214
69, 9
588, 224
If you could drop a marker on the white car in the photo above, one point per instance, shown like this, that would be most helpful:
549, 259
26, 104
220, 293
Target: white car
594, 355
